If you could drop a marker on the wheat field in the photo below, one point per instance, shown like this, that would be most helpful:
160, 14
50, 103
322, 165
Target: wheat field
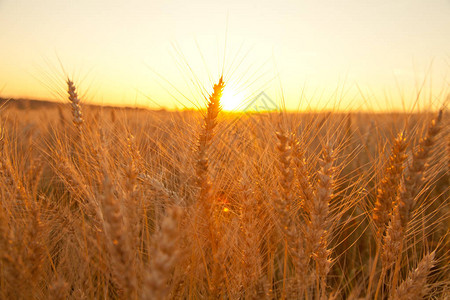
110, 203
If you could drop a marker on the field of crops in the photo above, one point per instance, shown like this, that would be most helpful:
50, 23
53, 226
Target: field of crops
104, 203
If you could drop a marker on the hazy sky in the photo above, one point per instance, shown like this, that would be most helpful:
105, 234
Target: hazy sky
321, 51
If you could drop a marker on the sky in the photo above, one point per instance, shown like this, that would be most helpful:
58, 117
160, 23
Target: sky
348, 54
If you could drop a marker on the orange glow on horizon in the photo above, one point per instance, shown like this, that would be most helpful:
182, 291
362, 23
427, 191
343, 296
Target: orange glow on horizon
304, 55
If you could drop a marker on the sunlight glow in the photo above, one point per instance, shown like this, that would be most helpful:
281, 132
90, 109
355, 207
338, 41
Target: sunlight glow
231, 100
157, 48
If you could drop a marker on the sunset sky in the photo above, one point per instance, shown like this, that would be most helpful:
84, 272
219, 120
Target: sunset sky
352, 54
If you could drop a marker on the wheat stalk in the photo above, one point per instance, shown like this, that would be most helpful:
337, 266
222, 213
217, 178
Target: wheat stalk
318, 210
122, 263
204, 141
286, 212
251, 258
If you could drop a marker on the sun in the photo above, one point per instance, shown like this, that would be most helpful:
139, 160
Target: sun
231, 100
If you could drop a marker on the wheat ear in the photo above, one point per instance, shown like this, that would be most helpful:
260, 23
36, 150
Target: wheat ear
59, 290
283, 202
294, 239
206, 135
119, 245
250, 237
388, 188
392, 241
166, 254
75, 103
319, 210
414, 174
415, 286
412, 179
302, 175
